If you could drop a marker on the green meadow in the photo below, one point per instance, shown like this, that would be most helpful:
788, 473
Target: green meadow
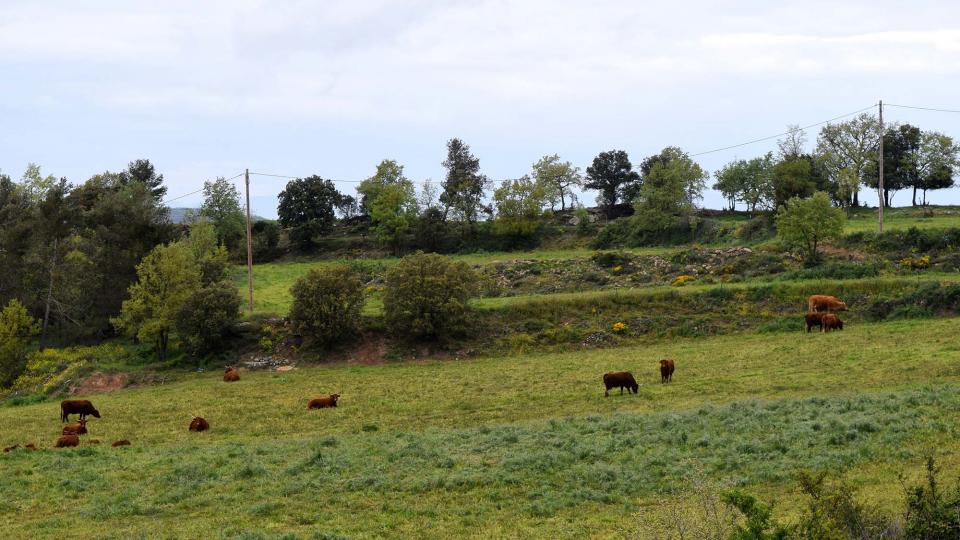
511, 446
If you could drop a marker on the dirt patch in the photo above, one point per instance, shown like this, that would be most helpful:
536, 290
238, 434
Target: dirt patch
99, 383
369, 351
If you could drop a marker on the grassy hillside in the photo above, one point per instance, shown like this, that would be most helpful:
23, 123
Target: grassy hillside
523, 446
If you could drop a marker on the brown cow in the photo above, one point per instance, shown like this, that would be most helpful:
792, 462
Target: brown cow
666, 370
231, 375
67, 440
199, 424
619, 379
820, 302
814, 319
122, 442
832, 322
78, 428
77, 406
11, 448
323, 402
31, 446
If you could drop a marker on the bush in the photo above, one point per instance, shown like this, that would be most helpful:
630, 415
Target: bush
835, 271
426, 296
17, 327
932, 514
204, 322
635, 232
51, 371
326, 304
266, 239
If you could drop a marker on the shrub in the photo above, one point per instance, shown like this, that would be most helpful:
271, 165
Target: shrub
327, 304
682, 280
50, 371
17, 327
426, 296
931, 513
610, 259
266, 240
204, 322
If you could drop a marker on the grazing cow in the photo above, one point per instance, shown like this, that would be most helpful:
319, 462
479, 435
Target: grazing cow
122, 442
11, 448
621, 379
231, 375
832, 322
77, 406
323, 402
199, 424
78, 428
814, 319
820, 302
67, 440
666, 370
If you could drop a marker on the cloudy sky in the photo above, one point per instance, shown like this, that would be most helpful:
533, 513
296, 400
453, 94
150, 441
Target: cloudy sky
206, 89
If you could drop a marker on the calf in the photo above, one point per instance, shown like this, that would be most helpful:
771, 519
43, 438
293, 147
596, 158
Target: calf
78, 428
122, 442
832, 322
67, 440
666, 371
231, 375
814, 319
621, 379
199, 424
323, 402
77, 406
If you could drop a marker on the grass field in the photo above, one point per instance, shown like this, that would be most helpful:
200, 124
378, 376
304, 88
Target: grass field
523, 446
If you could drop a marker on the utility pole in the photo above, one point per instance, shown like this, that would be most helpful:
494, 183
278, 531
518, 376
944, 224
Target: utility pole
880, 168
246, 176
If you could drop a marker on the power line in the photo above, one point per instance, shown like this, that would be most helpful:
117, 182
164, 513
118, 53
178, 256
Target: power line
197, 191
784, 133
923, 108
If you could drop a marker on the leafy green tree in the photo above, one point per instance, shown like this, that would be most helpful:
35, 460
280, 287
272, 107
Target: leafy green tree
748, 181
221, 205
850, 145
463, 186
612, 175
427, 297
431, 231
792, 178
519, 204
207, 251
936, 162
394, 212
806, 223
142, 171
266, 240
759, 519
168, 277
34, 185
17, 328
206, 318
327, 303
307, 208
388, 173
557, 178
671, 186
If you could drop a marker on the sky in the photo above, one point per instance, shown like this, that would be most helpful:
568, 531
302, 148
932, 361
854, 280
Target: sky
207, 89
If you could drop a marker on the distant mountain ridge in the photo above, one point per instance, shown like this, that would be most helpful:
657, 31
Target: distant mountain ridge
179, 215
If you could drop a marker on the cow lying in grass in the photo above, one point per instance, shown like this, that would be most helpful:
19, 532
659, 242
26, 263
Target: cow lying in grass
199, 424
77, 428
231, 375
67, 440
619, 379
122, 442
77, 406
323, 402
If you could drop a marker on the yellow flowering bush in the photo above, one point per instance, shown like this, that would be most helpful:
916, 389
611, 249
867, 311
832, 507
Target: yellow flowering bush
915, 263
682, 280
616, 269
619, 327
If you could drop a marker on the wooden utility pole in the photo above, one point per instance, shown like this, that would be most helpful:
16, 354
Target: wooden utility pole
246, 176
880, 168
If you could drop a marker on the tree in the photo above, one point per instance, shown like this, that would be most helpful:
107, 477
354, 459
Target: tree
748, 181
17, 328
612, 175
792, 144
427, 296
429, 194
792, 178
143, 172
463, 186
206, 317
34, 184
167, 278
900, 146
348, 207
730, 181
937, 158
221, 205
209, 254
388, 173
393, 213
327, 303
306, 207
519, 204
805, 223
850, 145
671, 186
556, 179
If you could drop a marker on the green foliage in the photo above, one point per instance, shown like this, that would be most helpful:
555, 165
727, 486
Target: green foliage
17, 328
834, 513
168, 277
805, 223
928, 300
327, 304
51, 371
931, 513
758, 517
556, 179
519, 205
463, 186
393, 212
669, 190
612, 174
266, 241
306, 207
636, 231
204, 321
427, 297
221, 205
748, 181
207, 251
388, 173
142, 172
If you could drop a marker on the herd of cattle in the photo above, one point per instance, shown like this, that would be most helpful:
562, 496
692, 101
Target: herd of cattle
819, 313
71, 432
